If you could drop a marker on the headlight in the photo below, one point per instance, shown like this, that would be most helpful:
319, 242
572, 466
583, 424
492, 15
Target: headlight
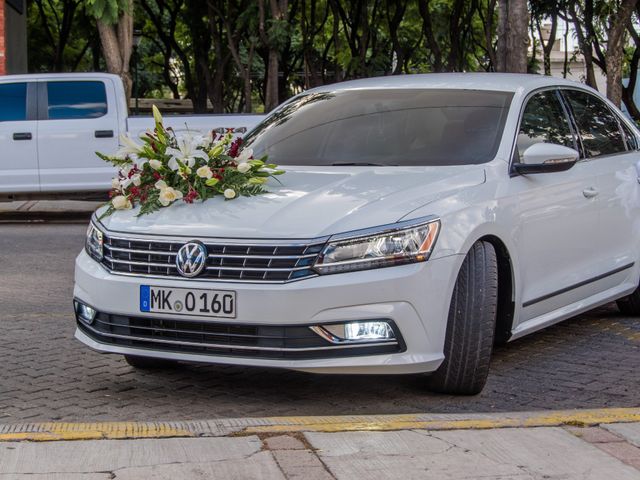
93, 243
406, 242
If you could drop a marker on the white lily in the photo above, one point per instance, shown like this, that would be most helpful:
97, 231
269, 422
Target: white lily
245, 155
128, 146
187, 152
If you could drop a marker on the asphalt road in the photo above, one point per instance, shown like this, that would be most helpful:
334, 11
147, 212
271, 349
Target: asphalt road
589, 361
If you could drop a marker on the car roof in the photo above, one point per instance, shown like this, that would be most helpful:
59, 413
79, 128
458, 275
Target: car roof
506, 82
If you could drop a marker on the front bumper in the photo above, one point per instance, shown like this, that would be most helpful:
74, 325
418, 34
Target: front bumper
415, 298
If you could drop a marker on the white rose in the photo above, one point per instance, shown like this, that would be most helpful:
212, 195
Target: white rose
121, 203
135, 179
115, 183
204, 172
155, 164
229, 193
244, 167
160, 185
169, 195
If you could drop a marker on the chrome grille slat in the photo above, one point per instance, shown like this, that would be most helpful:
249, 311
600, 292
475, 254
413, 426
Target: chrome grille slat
227, 261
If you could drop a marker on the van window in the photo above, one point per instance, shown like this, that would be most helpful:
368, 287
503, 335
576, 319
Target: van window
69, 100
13, 102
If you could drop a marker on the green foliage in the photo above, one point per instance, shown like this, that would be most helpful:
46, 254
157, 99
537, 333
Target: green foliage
107, 10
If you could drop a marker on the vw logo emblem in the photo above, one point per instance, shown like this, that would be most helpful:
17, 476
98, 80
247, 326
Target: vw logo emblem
191, 259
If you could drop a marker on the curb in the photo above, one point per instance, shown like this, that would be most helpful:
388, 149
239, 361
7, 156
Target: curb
63, 431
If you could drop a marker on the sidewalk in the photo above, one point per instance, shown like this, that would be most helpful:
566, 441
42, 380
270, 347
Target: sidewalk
501, 446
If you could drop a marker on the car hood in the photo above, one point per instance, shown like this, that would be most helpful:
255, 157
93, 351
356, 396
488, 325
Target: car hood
310, 202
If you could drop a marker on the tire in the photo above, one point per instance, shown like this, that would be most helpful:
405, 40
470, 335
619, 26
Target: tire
630, 305
470, 326
148, 363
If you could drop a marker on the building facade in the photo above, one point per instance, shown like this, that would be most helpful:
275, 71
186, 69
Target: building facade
13, 36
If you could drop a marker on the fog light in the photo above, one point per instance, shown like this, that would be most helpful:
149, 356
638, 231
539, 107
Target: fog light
85, 312
362, 331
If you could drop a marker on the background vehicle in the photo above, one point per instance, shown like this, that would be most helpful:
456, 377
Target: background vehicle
51, 125
421, 219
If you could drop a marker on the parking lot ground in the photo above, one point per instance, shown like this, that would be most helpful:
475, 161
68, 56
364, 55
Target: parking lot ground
591, 361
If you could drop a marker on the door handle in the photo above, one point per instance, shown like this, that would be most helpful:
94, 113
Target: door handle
104, 133
590, 192
22, 136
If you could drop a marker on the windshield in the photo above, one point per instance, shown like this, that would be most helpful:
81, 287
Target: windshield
409, 127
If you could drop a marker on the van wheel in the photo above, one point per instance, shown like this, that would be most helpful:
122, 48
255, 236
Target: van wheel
148, 363
470, 326
630, 305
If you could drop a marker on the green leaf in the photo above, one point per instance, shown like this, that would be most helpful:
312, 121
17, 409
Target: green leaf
212, 182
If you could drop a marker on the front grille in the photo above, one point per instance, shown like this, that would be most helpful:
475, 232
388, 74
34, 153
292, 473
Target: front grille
224, 339
276, 263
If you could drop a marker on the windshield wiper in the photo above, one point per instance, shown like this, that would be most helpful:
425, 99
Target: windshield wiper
362, 164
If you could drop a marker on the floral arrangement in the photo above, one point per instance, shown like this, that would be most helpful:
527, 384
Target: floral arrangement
166, 168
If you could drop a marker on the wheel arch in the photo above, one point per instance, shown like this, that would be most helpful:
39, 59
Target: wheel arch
506, 289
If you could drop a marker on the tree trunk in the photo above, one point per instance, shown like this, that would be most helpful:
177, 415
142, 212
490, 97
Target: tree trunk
615, 49
117, 45
513, 36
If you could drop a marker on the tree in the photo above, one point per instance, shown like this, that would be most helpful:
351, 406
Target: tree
114, 19
618, 21
513, 36
274, 37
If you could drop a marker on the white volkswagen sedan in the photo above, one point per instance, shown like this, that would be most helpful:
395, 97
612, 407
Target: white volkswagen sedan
422, 219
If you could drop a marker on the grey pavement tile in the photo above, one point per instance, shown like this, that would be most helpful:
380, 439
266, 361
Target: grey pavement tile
629, 431
534, 453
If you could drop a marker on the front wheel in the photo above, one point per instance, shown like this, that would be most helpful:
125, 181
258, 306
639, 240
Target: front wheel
470, 326
148, 363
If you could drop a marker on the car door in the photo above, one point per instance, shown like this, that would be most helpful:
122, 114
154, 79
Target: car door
77, 118
557, 230
612, 148
18, 132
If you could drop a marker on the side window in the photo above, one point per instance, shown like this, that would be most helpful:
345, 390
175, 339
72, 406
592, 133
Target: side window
544, 121
630, 137
13, 102
76, 100
597, 125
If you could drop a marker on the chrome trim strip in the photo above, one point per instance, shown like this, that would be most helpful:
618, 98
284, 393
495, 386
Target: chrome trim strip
207, 280
138, 251
142, 264
249, 242
237, 347
259, 269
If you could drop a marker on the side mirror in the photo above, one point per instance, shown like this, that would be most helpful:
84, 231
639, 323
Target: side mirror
546, 158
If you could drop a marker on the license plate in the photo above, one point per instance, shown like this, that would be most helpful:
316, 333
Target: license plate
188, 301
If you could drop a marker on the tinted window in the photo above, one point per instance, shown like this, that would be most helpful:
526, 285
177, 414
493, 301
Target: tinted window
13, 102
389, 127
544, 121
76, 100
598, 127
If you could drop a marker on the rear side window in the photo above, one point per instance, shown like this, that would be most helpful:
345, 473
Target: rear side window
598, 127
13, 102
76, 100
544, 121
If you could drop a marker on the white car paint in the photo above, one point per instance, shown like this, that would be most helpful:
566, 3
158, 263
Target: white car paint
568, 251
60, 156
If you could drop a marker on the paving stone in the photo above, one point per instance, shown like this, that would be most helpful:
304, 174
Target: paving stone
590, 361
533, 453
301, 464
624, 452
283, 442
594, 434
629, 431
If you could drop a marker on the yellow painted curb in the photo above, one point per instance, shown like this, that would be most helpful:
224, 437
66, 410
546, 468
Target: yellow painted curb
61, 431
51, 431
411, 422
